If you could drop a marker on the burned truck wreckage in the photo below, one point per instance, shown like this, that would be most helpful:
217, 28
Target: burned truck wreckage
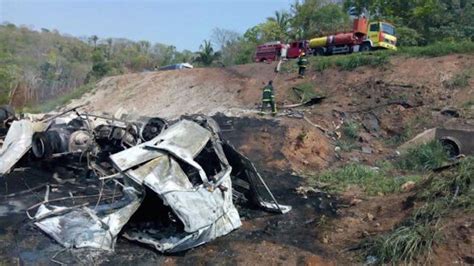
171, 185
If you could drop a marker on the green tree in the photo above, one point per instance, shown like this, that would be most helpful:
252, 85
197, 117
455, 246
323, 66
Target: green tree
313, 18
423, 21
100, 67
184, 57
303, 15
230, 43
206, 56
282, 20
94, 40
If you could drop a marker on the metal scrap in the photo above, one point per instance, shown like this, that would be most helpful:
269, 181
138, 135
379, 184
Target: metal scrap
16, 144
186, 171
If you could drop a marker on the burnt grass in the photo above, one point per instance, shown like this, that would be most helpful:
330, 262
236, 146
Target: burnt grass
21, 242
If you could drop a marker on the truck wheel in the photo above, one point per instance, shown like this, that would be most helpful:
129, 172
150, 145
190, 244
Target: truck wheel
318, 52
365, 47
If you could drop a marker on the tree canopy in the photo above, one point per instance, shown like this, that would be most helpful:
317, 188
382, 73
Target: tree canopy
418, 22
38, 65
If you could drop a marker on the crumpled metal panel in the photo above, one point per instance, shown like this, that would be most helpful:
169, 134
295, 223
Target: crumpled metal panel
16, 144
84, 227
254, 179
168, 166
205, 214
185, 135
222, 226
196, 207
205, 210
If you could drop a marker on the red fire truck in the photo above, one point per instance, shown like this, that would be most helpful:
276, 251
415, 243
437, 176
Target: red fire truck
268, 52
273, 51
364, 36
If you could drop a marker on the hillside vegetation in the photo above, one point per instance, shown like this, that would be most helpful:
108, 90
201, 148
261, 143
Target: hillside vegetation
39, 65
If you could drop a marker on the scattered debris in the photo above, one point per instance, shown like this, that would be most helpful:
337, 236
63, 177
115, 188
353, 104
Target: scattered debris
366, 150
370, 216
177, 66
304, 102
324, 130
7, 116
185, 171
408, 186
15, 145
303, 191
371, 123
355, 201
449, 111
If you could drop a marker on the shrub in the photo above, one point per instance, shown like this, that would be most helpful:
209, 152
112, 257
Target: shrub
351, 61
442, 193
322, 63
424, 157
460, 80
354, 61
408, 37
304, 91
371, 180
403, 244
351, 130
59, 101
439, 49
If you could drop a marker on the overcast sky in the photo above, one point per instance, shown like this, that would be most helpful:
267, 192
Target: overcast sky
182, 23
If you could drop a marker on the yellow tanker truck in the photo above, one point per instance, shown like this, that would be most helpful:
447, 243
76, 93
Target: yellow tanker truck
365, 36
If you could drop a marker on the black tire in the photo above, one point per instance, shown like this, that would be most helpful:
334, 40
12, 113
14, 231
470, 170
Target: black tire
40, 146
329, 50
318, 52
365, 47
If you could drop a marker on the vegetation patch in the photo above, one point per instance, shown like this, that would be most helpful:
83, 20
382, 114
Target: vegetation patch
304, 91
351, 130
439, 49
59, 101
350, 134
420, 121
468, 103
424, 157
371, 180
354, 61
351, 61
460, 80
381, 58
437, 197
347, 145
403, 244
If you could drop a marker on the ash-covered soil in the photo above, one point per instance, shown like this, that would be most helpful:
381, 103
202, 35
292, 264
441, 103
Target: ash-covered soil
289, 238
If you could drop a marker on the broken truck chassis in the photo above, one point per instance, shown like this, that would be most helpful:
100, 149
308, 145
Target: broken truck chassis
186, 172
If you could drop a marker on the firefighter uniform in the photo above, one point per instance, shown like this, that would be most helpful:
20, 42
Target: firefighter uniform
302, 63
268, 98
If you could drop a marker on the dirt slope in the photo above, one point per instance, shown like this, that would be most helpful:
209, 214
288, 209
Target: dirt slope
288, 144
361, 95
173, 93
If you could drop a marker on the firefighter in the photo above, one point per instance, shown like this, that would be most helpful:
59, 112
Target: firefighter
268, 98
302, 63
